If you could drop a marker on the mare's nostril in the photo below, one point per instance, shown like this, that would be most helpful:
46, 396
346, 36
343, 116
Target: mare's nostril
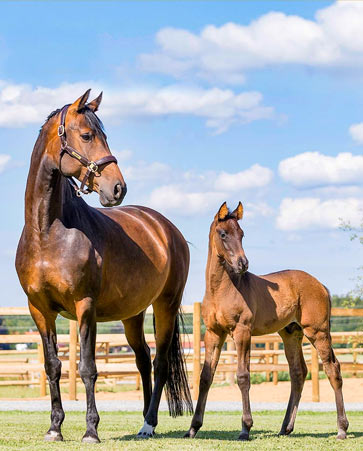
117, 191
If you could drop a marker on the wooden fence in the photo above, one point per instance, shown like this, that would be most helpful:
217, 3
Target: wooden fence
265, 354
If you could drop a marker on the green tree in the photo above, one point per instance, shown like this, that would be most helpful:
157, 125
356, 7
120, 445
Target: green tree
356, 234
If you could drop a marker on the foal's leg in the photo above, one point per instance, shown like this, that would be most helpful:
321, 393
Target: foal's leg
242, 339
292, 337
165, 316
213, 346
321, 340
52, 365
87, 365
134, 331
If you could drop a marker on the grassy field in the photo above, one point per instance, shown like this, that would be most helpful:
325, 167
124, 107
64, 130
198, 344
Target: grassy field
314, 431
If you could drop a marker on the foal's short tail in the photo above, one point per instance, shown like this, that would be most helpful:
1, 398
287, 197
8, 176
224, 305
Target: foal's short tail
177, 387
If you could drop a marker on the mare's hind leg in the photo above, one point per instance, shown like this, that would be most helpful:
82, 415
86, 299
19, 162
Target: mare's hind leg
213, 347
292, 337
52, 365
165, 316
321, 340
134, 331
86, 317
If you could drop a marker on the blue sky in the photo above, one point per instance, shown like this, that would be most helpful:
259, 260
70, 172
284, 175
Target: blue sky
203, 102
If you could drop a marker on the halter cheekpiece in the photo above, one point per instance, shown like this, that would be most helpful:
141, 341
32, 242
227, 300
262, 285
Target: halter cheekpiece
92, 166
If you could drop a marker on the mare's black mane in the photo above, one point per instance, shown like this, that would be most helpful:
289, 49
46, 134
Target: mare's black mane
93, 121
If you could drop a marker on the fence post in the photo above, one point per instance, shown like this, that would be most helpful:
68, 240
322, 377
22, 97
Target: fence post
230, 376
315, 374
73, 339
42, 376
275, 360
267, 359
196, 349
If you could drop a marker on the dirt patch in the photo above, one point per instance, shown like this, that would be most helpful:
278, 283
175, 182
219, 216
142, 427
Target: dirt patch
264, 392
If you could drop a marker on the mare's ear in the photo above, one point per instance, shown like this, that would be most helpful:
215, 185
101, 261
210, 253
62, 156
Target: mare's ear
95, 103
80, 103
238, 212
223, 211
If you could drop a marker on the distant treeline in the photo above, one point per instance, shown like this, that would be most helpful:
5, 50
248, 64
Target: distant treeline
346, 323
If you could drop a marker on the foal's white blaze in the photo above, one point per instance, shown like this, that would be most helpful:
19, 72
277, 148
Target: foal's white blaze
146, 431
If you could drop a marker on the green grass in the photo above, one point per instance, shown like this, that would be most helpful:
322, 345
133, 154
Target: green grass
313, 431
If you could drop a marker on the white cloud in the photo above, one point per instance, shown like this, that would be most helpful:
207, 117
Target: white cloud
143, 172
255, 176
313, 213
356, 132
4, 160
311, 169
189, 192
122, 155
332, 39
22, 104
174, 198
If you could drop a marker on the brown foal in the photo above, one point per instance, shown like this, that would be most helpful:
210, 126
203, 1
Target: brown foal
241, 304
99, 264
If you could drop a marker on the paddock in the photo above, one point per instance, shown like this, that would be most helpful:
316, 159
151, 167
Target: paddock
315, 430
116, 363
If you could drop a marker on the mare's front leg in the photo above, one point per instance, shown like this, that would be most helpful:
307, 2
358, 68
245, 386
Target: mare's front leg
242, 339
213, 346
46, 326
86, 317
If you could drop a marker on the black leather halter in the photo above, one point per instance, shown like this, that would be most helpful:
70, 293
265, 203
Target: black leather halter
92, 166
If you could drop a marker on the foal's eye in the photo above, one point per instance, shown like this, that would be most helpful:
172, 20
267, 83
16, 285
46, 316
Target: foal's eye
223, 235
86, 137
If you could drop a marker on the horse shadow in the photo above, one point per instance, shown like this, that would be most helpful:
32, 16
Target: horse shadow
233, 435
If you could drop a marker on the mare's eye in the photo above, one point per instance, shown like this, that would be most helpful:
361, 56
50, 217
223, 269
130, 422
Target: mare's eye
223, 235
86, 137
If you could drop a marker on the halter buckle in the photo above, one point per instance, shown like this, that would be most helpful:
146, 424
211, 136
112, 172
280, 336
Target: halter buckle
92, 167
61, 130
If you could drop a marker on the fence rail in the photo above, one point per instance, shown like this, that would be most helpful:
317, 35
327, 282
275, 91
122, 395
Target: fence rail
121, 365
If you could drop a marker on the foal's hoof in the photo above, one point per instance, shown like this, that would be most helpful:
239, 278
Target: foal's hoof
91, 439
53, 436
243, 437
286, 431
147, 431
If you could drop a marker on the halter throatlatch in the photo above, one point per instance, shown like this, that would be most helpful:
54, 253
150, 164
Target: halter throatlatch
92, 166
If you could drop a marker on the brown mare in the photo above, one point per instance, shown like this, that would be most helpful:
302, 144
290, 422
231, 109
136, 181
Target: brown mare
241, 304
99, 264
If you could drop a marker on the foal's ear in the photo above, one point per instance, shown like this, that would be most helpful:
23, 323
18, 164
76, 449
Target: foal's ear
238, 212
223, 211
95, 103
80, 103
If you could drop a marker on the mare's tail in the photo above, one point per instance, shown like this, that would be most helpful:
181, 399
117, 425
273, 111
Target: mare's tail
177, 387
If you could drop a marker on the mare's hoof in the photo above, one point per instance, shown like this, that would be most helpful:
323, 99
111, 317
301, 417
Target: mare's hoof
53, 436
92, 439
341, 435
147, 431
190, 434
243, 437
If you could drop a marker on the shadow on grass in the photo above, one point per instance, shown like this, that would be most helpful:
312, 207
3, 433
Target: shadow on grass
202, 435
350, 435
233, 435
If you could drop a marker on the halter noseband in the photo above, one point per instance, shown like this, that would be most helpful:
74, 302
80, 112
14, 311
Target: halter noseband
92, 166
